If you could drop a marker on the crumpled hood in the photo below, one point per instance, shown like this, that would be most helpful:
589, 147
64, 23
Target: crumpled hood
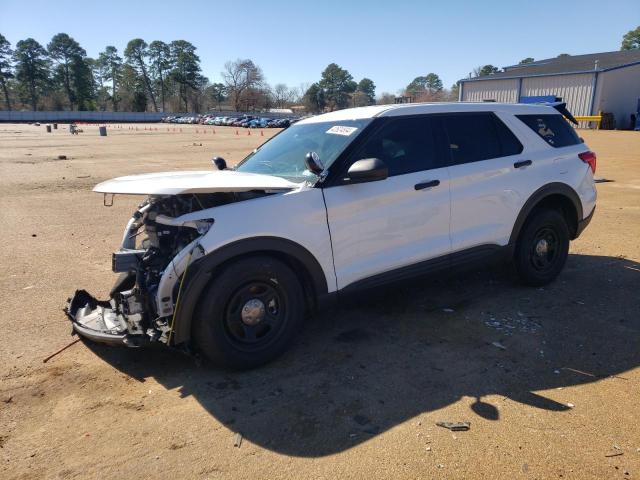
207, 181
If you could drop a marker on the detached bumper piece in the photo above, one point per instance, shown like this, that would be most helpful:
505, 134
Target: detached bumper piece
100, 321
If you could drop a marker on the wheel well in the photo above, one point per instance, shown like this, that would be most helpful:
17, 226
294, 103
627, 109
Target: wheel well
296, 266
203, 270
564, 205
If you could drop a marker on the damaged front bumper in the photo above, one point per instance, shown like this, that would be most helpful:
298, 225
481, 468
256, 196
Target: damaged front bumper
141, 306
100, 321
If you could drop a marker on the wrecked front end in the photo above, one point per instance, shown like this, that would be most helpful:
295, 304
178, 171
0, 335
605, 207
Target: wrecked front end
157, 247
160, 241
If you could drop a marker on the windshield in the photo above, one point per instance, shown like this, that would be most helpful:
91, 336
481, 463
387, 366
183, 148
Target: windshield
284, 154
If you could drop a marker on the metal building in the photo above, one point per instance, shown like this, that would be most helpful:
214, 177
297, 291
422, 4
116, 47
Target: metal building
599, 82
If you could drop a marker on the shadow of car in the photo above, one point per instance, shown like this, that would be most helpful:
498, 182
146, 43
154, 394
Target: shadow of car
385, 357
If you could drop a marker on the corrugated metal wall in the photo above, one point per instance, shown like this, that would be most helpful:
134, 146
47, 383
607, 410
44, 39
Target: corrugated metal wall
576, 90
618, 92
505, 91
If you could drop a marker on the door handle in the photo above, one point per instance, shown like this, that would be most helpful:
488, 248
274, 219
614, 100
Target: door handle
523, 163
427, 184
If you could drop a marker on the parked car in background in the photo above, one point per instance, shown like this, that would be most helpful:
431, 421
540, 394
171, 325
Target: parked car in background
246, 120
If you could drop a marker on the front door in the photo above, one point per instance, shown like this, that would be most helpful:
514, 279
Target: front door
383, 226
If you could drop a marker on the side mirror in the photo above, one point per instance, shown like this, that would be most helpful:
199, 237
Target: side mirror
313, 163
220, 163
367, 170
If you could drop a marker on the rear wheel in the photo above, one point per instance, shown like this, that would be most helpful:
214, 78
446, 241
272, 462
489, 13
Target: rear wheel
542, 248
249, 313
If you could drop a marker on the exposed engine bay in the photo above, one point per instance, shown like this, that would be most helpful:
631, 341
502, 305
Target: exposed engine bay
157, 248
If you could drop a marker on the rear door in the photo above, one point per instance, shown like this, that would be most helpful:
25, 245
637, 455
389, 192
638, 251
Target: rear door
383, 226
490, 178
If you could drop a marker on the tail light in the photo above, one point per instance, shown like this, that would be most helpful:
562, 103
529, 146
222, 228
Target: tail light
590, 158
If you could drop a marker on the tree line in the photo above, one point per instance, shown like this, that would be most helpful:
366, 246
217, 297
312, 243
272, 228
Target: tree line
155, 76
166, 77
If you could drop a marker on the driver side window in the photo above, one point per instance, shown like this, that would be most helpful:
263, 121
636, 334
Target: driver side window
404, 144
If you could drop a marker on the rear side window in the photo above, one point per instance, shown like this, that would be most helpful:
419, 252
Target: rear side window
479, 136
553, 129
404, 144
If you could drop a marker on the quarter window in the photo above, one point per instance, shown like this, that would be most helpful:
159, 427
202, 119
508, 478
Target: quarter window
405, 145
553, 129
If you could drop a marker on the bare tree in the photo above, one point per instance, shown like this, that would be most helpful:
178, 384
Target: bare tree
386, 98
298, 92
240, 76
282, 95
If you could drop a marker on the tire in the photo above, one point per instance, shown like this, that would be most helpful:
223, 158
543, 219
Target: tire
542, 247
249, 313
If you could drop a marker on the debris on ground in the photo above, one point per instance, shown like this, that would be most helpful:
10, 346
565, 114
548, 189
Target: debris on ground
570, 405
62, 157
498, 345
455, 426
448, 310
61, 350
237, 440
508, 325
617, 454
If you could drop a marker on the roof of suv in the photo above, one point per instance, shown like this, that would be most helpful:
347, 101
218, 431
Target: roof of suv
417, 108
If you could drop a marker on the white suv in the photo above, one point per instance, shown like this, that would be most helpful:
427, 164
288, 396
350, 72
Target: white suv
231, 261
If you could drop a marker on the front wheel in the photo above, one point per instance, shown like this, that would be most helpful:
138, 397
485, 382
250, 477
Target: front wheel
249, 313
542, 248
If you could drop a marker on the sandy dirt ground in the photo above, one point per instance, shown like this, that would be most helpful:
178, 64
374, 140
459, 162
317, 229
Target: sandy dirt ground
359, 393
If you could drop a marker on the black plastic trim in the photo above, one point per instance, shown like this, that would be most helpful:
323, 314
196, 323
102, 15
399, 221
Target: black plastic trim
555, 188
458, 260
582, 224
202, 271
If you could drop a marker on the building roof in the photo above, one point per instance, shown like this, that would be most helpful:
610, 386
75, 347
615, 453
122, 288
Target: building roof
592, 62
422, 108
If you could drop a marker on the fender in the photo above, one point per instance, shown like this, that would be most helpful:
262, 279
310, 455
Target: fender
555, 188
203, 270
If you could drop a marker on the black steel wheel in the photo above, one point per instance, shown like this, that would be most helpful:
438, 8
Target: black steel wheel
255, 314
249, 313
542, 248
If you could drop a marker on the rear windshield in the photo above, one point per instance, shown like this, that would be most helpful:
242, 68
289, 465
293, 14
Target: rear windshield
553, 129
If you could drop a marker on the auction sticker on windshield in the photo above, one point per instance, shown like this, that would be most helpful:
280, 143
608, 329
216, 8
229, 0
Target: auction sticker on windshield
342, 130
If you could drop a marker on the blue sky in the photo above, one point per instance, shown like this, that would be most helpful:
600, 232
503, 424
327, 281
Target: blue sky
389, 42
